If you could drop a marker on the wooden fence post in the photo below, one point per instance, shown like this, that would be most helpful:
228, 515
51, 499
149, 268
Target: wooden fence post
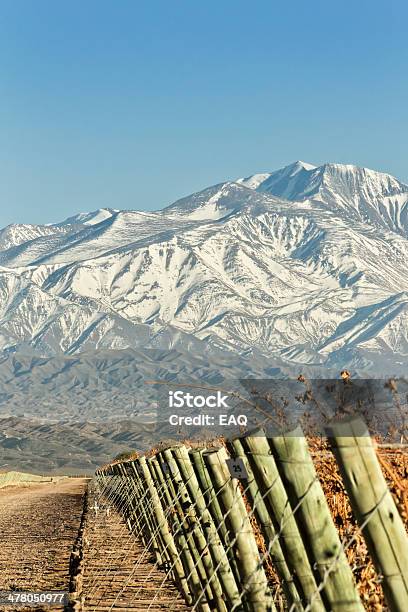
195, 535
269, 532
276, 498
214, 507
134, 512
236, 517
165, 532
185, 547
315, 521
373, 507
217, 551
179, 532
127, 509
194, 566
152, 536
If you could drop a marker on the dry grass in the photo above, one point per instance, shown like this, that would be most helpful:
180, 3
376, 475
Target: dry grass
394, 464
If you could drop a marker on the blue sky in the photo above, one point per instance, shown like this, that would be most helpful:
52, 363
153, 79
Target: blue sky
133, 104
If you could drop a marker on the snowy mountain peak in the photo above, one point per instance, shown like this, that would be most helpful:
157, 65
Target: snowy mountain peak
375, 183
213, 203
305, 265
369, 196
90, 218
300, 180
285, 183
19, 233
296, 167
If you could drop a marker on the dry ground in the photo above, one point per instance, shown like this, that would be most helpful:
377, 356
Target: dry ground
38, 526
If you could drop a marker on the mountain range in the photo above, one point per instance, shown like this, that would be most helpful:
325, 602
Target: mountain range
304, 269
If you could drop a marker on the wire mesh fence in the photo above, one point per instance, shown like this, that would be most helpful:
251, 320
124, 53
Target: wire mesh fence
252, 525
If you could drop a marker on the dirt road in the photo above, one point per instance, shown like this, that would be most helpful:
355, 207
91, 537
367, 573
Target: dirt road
38, 525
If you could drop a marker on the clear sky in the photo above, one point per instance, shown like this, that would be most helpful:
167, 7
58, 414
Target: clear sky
135, 103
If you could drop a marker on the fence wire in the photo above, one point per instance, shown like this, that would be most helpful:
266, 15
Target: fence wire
187, 522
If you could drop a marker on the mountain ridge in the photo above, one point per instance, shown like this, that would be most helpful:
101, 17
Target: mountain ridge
313, 278
376, 196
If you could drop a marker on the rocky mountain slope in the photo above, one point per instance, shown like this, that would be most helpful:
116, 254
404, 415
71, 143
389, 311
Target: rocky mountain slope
302, 268
66, 447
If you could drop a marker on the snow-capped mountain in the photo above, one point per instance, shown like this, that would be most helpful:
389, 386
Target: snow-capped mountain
89, 218
16, 234
374, 197
302, 267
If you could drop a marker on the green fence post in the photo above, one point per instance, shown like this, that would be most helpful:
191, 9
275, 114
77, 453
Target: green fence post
275, 496
236, 517
214, 507
163, 527
315, 521
373, 507
220, 567
265, 522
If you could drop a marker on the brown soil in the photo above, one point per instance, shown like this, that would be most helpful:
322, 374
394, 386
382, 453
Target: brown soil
119, 575
38, 526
